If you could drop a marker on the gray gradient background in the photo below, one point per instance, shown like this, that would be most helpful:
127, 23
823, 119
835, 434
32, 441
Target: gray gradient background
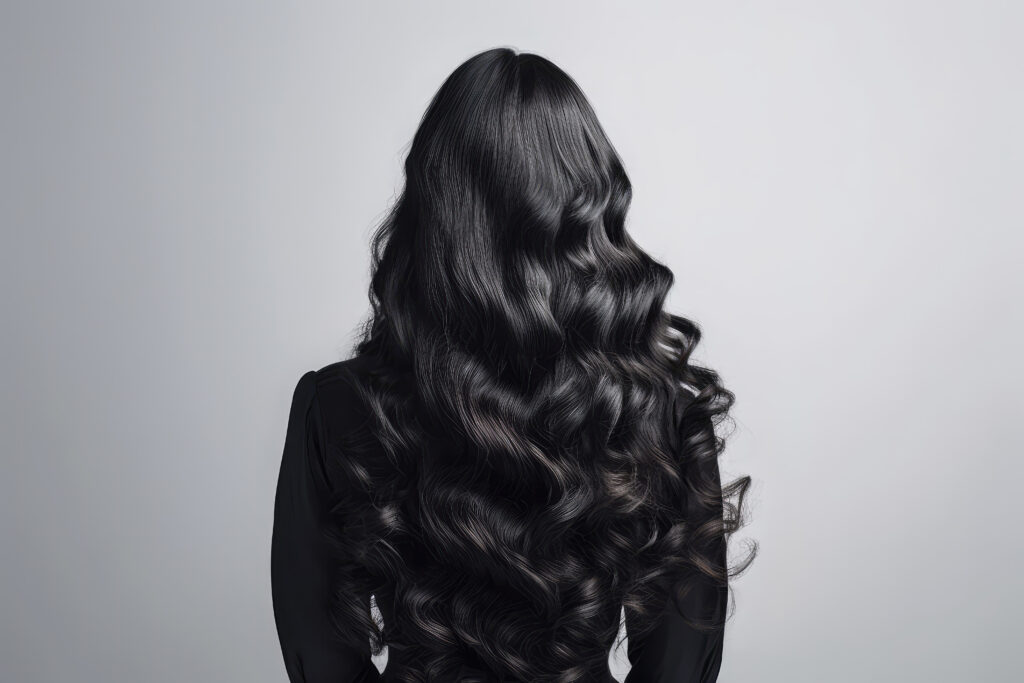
187, 194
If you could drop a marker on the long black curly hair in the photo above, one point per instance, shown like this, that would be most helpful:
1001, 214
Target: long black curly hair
549, 449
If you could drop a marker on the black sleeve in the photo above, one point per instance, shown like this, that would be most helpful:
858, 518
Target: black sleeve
673, 651
301, 574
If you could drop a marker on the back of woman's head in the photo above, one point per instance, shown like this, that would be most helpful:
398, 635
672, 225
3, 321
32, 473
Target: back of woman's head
539, 449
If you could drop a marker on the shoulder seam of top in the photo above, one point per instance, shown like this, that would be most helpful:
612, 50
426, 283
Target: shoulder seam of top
315, 404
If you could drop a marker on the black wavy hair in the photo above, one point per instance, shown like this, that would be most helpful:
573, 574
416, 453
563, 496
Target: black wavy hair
550, 447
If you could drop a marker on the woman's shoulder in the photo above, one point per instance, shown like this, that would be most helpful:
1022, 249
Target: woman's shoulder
337, 386
337, 382
345, 371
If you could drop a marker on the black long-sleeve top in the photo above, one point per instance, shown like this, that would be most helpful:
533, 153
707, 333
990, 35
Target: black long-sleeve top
672, 652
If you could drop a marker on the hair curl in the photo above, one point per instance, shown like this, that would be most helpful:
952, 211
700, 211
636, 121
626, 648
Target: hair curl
549, 447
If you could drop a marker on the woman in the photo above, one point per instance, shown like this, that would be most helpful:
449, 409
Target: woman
520, 449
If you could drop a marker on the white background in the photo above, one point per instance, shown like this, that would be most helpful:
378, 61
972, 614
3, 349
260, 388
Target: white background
188, 189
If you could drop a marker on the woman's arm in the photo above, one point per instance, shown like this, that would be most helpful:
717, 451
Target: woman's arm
301, 571
673, 651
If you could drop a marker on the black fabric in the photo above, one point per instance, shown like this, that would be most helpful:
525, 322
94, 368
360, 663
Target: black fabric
301, 574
